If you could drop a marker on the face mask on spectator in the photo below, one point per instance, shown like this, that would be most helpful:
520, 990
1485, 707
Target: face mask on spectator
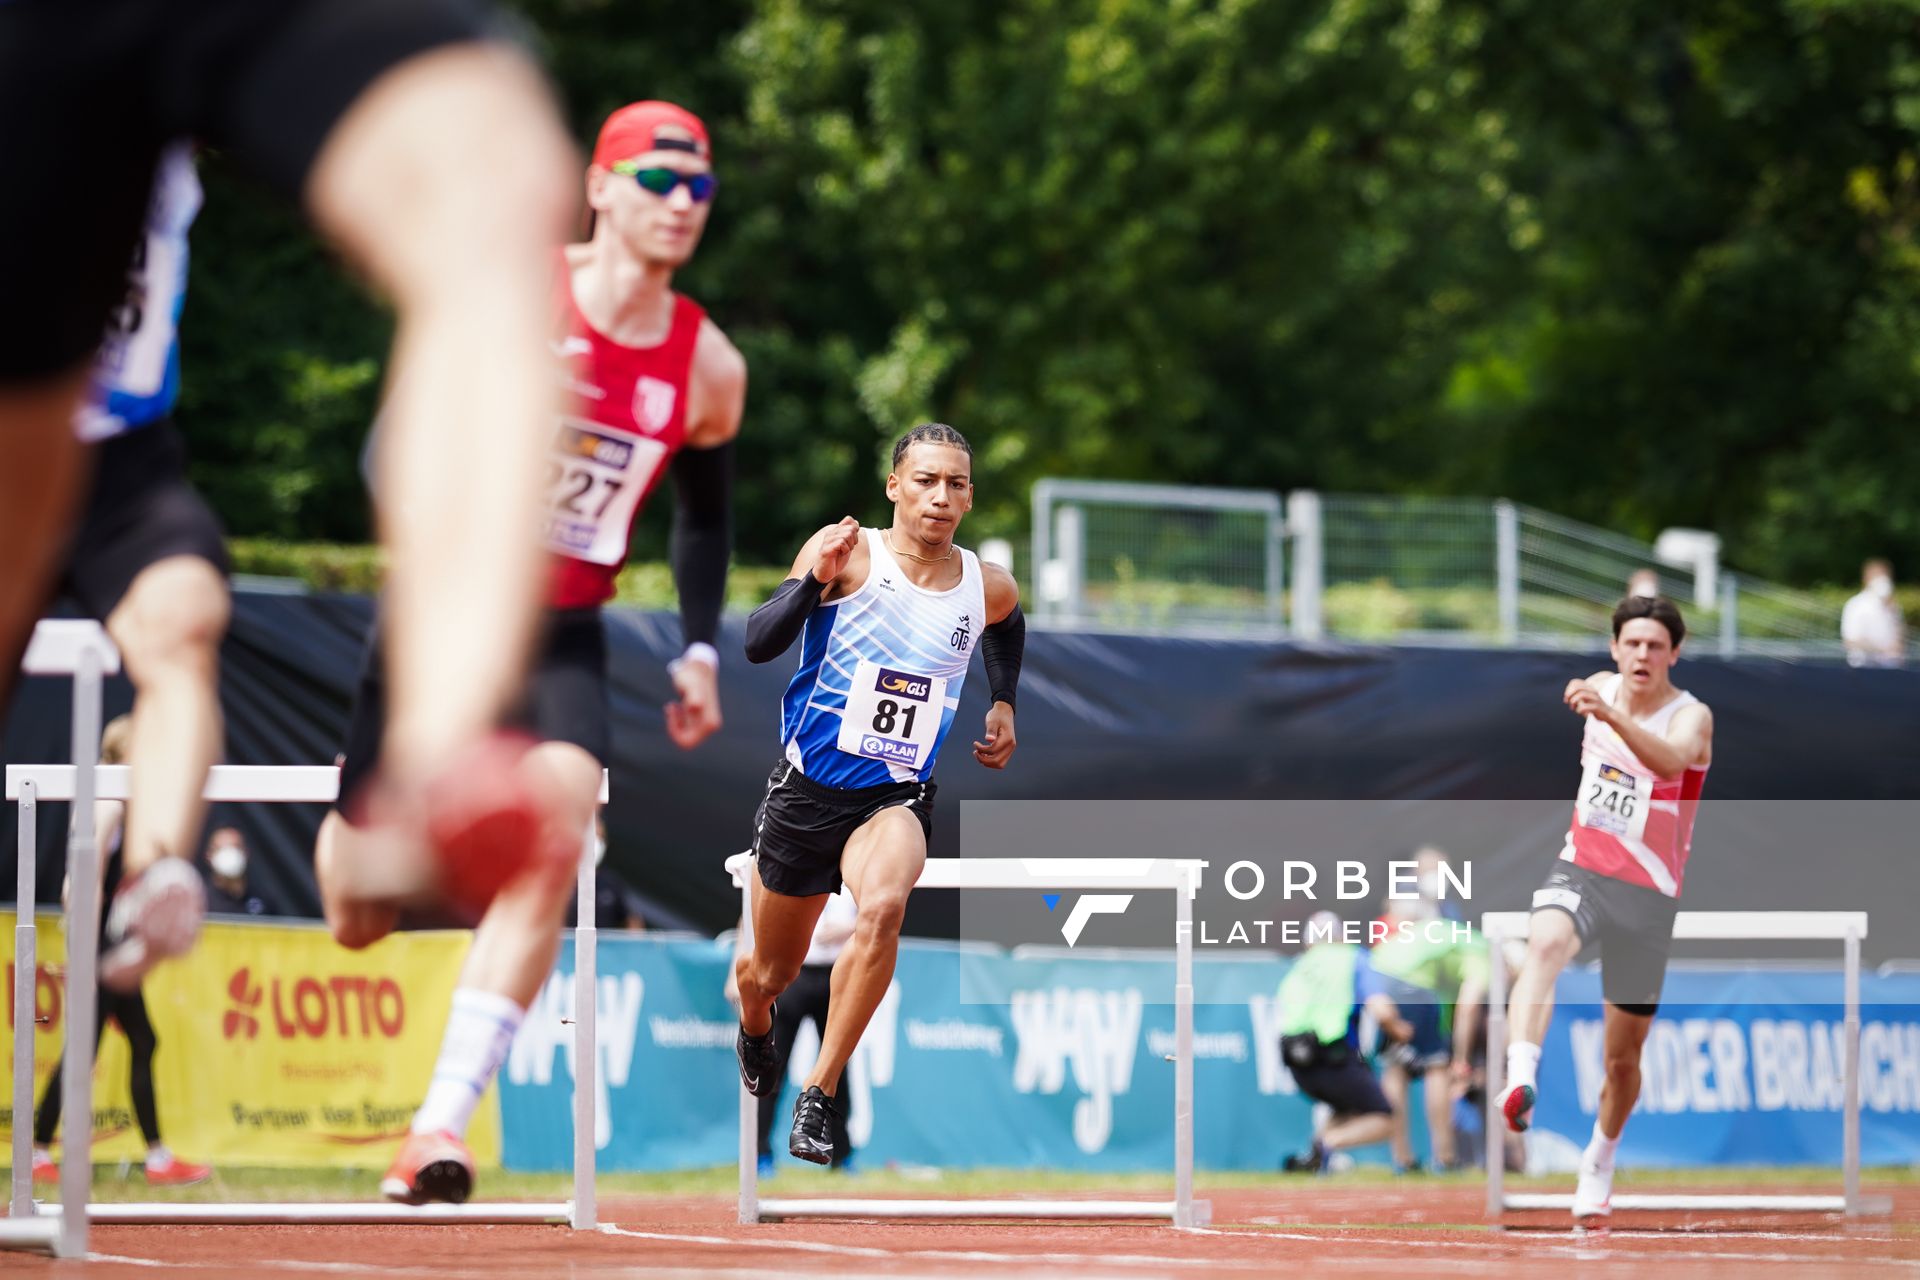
1881, 585
229, 861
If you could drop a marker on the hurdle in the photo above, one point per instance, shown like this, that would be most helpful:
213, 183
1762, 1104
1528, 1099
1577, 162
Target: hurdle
1847, 927
80, 649
29, 783
63, 1229
1041, 875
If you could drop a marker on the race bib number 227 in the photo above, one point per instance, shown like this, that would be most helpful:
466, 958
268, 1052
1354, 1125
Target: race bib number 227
597, 476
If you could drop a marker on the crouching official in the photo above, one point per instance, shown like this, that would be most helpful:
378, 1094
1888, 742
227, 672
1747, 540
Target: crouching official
1321, 999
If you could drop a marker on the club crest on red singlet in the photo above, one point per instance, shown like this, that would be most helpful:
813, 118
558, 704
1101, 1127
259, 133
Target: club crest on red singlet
653, 401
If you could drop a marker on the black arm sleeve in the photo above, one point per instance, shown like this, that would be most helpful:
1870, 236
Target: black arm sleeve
1002, 645
776, 624
702, 539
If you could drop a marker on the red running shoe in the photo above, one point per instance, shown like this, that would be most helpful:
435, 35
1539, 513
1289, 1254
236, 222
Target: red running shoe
175, 1172
430, 1166
1516, 1105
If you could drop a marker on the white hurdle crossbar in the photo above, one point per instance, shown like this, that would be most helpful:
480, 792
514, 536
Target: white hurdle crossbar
1846, 927
64, 1229
1041, 875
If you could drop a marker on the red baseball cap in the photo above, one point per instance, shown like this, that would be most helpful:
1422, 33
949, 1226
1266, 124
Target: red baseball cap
640, 127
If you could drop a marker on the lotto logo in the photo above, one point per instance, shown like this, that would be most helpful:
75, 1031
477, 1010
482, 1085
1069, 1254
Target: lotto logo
902, 685
1618, 776
246, 995
334, 1007
886, 749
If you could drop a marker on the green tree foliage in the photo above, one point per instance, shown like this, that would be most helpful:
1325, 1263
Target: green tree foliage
1643, 263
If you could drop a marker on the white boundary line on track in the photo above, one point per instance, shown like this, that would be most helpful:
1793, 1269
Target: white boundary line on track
270, 1264
613, 1267
1596, 1248
940, 1255
1603, 1246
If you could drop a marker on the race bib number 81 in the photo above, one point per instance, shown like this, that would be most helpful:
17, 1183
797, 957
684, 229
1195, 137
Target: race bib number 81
1614, 801
893, 716
598, 474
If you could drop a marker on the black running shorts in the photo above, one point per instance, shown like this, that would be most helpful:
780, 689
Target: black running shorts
141, 511
802, 827
1349, 1087
92, 90
1632, 923
565, 700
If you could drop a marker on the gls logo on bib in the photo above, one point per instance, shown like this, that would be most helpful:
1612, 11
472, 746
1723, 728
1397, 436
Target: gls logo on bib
901, 685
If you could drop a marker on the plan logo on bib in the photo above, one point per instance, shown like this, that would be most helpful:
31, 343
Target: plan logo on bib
653, 402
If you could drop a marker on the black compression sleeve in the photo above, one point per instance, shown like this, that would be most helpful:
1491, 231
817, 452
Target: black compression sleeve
702, 538
1002, 645
776, 624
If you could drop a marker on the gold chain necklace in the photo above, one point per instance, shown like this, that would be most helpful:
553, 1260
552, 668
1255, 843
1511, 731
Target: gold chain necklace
887, 535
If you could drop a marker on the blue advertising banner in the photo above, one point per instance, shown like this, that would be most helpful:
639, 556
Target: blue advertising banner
1068, 1067
1742, 1066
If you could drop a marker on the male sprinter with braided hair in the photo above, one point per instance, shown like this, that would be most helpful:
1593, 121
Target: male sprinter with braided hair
657, 388
890, 619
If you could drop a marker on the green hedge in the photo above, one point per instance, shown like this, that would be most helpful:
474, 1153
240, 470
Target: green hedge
327, 566
1374, 610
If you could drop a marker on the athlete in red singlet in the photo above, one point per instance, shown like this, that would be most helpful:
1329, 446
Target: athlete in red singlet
1643, 765
655, 389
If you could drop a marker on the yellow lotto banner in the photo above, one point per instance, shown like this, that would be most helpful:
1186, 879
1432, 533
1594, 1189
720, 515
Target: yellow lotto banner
277, 1047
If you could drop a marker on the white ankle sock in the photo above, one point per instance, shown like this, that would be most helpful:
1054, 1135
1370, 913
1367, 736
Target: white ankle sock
1523, 1063
1600, 1148
480, 1029
158, 1155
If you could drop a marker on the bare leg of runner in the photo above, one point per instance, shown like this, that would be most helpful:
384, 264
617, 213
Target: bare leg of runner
449, 182
1625, 1035
512, 954
38, 486
881, 864
1552, 941
168, 628
782, 932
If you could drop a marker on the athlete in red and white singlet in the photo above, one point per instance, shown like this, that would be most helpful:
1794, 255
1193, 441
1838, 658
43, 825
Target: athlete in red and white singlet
1643, 765
655, 390
1628, 821
628, 420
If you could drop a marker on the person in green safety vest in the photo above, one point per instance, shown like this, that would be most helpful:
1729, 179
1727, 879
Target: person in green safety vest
1321, 999
1437, 975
